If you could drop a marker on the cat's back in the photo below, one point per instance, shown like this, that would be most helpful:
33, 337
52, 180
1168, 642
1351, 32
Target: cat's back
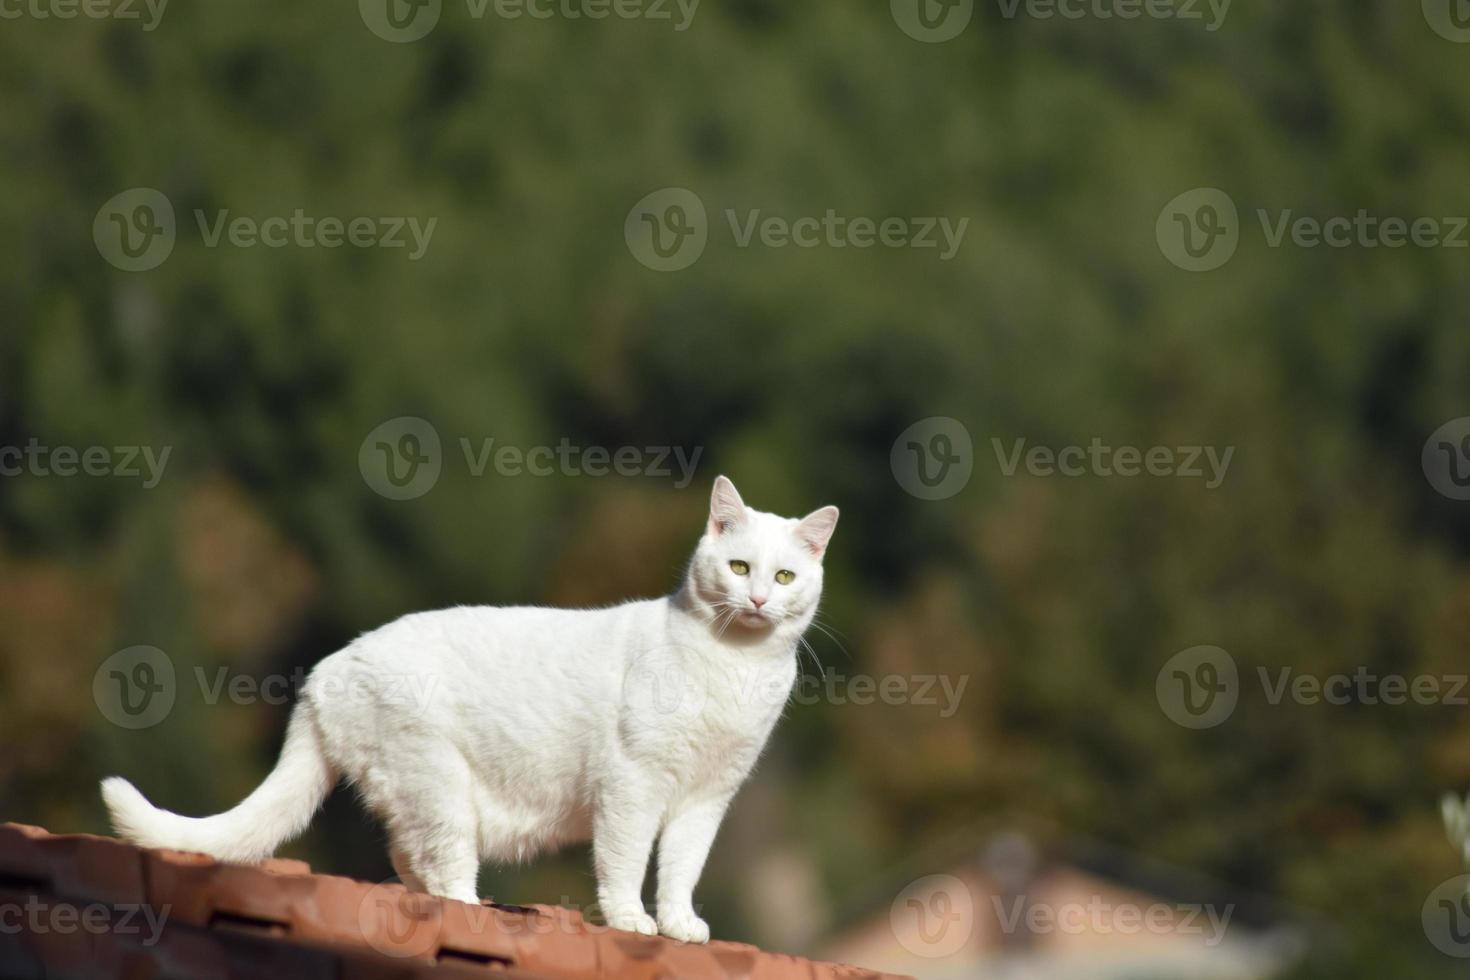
473, 640
513, 629
501, 681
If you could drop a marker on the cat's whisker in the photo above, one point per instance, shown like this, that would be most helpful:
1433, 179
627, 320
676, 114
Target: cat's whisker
725, 625
803, 644
803, 647
832, 635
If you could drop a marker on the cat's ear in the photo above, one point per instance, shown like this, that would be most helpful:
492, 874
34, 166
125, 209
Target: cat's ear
726, 509
815, 530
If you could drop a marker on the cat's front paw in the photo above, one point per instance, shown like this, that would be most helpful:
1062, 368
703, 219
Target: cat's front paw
630, 918
683, 926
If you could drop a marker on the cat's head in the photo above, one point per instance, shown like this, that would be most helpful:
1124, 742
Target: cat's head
757, 570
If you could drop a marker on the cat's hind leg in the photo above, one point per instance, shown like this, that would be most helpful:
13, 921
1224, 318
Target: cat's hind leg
437, 857
404, 870
432, 829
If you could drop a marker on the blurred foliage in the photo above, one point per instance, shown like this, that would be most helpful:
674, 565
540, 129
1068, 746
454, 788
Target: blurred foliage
527, 320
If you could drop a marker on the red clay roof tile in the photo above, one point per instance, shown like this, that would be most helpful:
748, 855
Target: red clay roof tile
279, 920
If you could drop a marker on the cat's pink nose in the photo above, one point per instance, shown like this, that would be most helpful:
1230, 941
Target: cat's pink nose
757, 601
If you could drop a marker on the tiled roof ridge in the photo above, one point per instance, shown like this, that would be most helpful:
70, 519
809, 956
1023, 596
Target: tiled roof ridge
96, 906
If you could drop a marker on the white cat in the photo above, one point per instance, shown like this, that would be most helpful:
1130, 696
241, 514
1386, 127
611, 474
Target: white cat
494, 733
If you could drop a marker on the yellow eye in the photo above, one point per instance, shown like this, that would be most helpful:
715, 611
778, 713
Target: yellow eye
739, 568
784, 577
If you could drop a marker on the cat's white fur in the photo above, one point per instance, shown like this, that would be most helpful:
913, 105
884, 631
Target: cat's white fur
495, 733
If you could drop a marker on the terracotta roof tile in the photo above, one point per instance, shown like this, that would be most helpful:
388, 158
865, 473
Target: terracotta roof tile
278, 920
98, 868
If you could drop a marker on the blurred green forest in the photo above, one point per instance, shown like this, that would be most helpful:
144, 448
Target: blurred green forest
528, 320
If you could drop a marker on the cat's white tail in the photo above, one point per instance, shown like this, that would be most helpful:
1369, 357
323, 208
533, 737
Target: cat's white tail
279, 809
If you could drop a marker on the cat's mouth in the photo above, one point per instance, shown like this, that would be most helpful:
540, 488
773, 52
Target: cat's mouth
754, 617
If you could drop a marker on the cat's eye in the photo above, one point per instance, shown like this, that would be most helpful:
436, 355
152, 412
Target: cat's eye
785, 577
739, 567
